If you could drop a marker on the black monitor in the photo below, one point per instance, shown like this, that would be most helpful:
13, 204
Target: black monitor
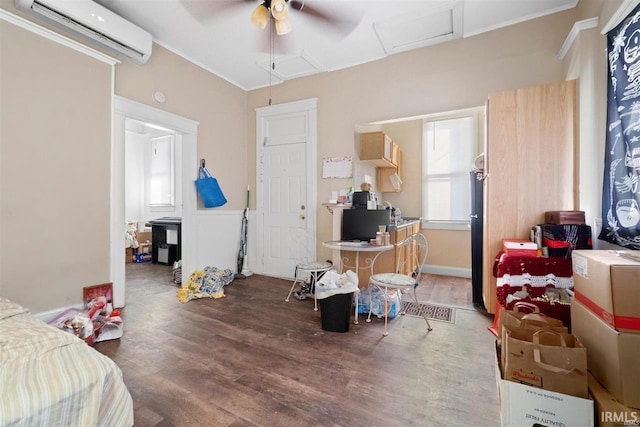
362, 224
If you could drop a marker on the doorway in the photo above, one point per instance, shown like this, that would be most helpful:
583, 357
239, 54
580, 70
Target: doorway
185, 132
286, 173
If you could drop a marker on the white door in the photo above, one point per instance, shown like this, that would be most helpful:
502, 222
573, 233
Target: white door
286, 188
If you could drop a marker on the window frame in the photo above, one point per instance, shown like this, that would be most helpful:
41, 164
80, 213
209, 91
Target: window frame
172, 172
477, 114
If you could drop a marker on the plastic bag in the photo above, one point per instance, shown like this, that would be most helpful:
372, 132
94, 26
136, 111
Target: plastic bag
332, 283
374, 297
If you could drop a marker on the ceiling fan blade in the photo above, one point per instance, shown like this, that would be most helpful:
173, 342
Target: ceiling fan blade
343, 21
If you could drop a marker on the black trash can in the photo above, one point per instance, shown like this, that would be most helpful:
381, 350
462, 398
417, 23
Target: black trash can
335, 312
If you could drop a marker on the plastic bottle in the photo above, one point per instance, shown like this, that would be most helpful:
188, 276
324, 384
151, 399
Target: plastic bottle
379, 238
108, 309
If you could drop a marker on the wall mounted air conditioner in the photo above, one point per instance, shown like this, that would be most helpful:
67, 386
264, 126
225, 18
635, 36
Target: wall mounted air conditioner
95, 24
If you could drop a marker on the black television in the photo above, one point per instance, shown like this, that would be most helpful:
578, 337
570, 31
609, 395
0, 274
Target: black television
362, 224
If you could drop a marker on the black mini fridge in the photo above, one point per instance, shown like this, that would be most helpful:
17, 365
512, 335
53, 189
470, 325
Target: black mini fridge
476, 218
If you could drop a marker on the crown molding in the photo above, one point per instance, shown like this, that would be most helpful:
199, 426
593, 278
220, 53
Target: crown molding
623, 11
585, 24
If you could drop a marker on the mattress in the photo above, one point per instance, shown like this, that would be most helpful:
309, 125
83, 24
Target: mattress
50, 377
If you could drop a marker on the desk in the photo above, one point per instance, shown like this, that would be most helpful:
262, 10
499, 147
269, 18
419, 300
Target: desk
358, 247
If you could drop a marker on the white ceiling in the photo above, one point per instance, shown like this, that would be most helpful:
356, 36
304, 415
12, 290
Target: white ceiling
218, 34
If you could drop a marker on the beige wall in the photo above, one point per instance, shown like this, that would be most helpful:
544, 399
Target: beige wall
586, 61
196, 94
55, 160
450, 76
55, 155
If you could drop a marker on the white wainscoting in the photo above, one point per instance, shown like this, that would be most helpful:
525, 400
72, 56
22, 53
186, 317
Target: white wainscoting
218, 239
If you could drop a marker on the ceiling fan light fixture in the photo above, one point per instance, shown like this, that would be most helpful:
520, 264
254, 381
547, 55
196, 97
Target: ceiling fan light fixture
260, 16
279, 9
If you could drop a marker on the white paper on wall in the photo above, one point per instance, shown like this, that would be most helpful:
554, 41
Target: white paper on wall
337, 167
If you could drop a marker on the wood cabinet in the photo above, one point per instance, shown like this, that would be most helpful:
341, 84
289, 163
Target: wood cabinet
380, 150
385, 176
529, 166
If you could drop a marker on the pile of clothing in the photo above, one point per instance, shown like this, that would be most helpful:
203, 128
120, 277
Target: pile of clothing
207, 283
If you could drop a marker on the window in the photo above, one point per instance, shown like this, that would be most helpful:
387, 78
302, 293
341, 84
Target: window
161, 183
448, 148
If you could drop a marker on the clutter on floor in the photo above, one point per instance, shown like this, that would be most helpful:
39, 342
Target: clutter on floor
97, 320
207, 283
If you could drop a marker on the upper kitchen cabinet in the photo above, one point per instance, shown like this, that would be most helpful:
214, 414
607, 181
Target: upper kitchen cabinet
529, 166
389, 178
378, 149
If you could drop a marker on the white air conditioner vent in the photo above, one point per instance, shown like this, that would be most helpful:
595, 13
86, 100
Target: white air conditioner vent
95, 24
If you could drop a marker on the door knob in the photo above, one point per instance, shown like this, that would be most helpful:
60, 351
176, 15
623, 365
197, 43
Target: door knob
302, 216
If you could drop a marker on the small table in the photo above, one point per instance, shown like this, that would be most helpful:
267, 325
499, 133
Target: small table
357, 247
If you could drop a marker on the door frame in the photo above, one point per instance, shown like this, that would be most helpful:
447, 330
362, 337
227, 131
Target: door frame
310, 108
188, 129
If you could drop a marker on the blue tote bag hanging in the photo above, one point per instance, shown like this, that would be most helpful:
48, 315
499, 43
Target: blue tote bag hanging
209, 189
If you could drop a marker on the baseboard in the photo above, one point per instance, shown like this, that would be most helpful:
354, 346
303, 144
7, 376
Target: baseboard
48, 316
443, 270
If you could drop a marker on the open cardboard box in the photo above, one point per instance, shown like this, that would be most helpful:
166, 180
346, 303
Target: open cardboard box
522, 405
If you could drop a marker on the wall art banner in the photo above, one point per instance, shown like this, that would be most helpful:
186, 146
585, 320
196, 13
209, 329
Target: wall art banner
620, 193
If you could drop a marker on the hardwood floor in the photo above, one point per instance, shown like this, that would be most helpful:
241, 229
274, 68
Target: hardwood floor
252, 359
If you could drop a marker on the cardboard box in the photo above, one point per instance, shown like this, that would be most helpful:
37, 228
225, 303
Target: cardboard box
144, 248
610, 412
564, 217
143, 236
612, 356
519, 247
128, 255
609, 285
522, 405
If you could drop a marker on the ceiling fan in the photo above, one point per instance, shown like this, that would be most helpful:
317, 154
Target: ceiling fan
279, 10
344, 21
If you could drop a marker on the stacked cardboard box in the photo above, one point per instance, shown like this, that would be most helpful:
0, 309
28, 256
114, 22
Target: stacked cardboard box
610, 412
605, 316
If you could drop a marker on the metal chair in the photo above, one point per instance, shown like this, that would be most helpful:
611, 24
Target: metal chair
412, 251
310, 271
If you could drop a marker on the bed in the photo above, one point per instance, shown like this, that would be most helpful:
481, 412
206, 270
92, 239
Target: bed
51, 377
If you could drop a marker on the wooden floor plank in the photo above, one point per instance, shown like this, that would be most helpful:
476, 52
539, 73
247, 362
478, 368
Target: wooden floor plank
252, 359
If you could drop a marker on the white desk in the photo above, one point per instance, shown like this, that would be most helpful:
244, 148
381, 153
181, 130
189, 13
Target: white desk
358, 247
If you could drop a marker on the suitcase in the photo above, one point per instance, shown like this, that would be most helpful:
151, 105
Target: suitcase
564, 217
